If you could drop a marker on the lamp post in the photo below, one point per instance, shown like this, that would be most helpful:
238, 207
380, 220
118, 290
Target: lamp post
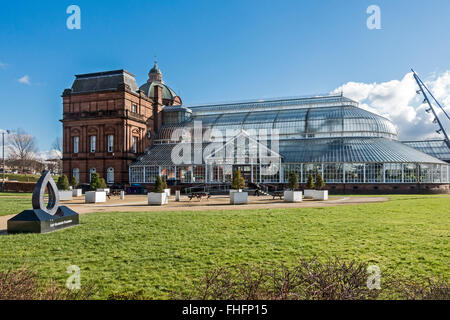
3, 154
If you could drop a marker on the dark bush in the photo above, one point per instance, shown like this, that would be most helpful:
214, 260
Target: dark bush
308, 280
23, 284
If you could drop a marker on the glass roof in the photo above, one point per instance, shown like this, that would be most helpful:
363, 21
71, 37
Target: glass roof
344, 150
435, 148
300, 123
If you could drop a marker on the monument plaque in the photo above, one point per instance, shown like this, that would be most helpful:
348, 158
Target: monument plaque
43, 218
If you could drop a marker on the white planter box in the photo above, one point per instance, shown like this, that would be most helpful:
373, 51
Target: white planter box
320, 195
292, 196
65, 195
234, 190
308, 193
239, 197
159, 199
107, 190
177, 195
167, 191
77, 192
95, 196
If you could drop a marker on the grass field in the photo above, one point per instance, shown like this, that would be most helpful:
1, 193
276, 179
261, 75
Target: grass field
13, 203
164, 251
22, 177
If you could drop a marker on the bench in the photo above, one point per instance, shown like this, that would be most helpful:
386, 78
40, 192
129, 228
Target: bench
199, 195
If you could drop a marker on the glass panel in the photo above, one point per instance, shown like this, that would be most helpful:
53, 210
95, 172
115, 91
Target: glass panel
354, 172
410, 173
393, 172
374, 172
333, 172
425, 173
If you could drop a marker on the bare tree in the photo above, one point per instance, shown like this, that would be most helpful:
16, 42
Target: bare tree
56, 165
57, 145
22, 147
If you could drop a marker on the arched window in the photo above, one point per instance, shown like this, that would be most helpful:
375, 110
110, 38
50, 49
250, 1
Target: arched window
76, 174
91, 171
110, 175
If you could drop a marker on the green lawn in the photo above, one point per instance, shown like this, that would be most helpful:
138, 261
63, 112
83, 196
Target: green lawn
22, 177
14, 203
163, 251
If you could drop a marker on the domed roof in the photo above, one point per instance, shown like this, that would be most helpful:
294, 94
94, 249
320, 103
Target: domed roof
149, 90
155, 78
155, 69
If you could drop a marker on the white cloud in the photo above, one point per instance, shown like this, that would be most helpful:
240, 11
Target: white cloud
25, 79
47, 155
398, 101
3, 65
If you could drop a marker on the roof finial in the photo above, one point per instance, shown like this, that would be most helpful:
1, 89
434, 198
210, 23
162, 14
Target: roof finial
156, 60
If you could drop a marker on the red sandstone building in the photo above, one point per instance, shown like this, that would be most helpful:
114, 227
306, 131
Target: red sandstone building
108, 121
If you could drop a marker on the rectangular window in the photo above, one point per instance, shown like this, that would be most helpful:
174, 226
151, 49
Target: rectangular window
110, 143
134, 144
76, 141
134, 108
93, 138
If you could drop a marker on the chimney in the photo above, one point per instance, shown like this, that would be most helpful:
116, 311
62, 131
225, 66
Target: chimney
157, 108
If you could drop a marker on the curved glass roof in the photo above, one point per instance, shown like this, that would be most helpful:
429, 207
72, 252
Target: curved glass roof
436, 148
337, 150
352, 150
342, 121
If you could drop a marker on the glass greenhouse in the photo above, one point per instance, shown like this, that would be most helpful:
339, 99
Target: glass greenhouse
267, 139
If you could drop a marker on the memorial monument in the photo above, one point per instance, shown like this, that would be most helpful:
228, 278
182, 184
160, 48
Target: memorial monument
43, 218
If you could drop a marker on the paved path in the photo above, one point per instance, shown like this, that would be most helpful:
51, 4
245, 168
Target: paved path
139, 203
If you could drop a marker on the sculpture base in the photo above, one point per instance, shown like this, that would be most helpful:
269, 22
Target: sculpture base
38, 221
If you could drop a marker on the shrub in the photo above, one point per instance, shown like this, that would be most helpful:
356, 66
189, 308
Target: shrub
158, 185
95, 181
310, 182
430, 289
319, 182
23, 284
164, 183
238, 181
102, 183
74, 182
293, 181
309, 279
63, 183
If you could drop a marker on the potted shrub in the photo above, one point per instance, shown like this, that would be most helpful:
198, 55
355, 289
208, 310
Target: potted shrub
165, 187
238, 183
102, 186
63, 188
75, 192
309, 191
291, 195
320, 194
158, 196
95, 195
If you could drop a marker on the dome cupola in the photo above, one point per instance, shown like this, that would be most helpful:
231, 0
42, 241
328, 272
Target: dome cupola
155, 78
155, 74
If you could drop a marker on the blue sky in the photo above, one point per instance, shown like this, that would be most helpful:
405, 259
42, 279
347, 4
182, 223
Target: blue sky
211, 50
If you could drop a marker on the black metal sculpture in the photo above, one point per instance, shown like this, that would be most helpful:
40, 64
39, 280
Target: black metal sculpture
43, 218
38, 201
